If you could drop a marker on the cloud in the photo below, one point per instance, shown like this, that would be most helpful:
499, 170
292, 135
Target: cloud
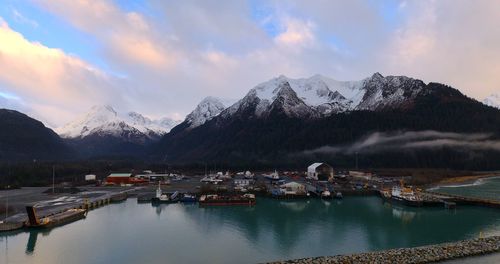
46, 78
171, 54
452, 42
127, 36
397, 141
19, 17
297, 34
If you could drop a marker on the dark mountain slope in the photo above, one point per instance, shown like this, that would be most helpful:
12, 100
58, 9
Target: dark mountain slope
279, 139
23, 138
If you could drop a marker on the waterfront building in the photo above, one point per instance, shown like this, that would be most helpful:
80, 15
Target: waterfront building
123, 178
320, 171
90, 177
293, 188
242, 181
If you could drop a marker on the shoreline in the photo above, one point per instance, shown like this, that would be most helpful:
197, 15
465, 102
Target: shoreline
462, 180
423, 254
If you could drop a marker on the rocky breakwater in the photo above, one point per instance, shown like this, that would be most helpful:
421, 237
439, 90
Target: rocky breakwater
424, 254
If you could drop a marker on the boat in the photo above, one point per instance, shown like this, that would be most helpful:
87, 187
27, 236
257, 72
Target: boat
53, 220
326, 194
163, 197
273, 176
385, 194
405, 195
188, 198
211, 179
248, 175
339, 195
221, 200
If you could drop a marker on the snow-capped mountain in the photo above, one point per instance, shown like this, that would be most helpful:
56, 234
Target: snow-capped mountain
279, 121
493, 100
321, 96
207, 109
103, 120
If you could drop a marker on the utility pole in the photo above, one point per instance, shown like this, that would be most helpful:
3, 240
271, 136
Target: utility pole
53, 178
356, 160
6, 207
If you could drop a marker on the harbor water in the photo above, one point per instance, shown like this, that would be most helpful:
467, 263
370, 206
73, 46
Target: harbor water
488, 188
129, 232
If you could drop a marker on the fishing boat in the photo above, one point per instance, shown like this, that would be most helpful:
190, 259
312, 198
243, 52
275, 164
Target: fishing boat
338, 195
221, 200
188, 198
326, 194
385, 194
163, 197
273, 176
53, 220
404, 195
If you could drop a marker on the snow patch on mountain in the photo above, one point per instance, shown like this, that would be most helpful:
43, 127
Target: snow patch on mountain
104, 120
326, 96
207, 109
493, 100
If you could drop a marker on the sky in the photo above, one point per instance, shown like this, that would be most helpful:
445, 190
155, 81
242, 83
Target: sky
58, 58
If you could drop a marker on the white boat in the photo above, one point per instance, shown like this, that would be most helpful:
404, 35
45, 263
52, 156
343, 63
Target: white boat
211, 179
273, 176
406, 196
326, 194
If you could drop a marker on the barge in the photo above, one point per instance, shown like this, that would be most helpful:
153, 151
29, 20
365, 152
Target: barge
222, 200
53, 220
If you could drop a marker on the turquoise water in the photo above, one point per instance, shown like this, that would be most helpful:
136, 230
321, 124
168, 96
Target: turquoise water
272, 230
484, 188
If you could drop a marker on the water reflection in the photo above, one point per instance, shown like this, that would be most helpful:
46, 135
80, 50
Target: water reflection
271, 230
30, 246
404, 215
382, 226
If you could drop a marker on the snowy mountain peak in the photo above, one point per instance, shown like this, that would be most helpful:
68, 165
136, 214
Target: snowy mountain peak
104, 120
207, 109
377, 76
493, 100
325, 96
138, 119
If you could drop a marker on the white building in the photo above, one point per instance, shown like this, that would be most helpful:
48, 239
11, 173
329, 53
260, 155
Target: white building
90, 177
242, 182
320, 171
293, 188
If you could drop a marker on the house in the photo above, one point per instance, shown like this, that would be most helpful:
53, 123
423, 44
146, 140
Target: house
320, 171
90, 177
293, 188
242, 182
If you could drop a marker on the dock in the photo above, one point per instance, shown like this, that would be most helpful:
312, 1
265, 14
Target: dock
49, 206
449, 199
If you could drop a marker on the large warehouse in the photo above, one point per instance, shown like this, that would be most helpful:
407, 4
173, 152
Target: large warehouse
320, 171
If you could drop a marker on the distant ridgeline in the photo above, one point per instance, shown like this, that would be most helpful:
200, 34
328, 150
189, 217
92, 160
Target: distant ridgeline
392, 121
286, 131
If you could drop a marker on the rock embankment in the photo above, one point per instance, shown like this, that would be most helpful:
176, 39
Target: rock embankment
424, 254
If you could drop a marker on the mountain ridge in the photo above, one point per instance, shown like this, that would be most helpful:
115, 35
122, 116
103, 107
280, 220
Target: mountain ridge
283, 116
